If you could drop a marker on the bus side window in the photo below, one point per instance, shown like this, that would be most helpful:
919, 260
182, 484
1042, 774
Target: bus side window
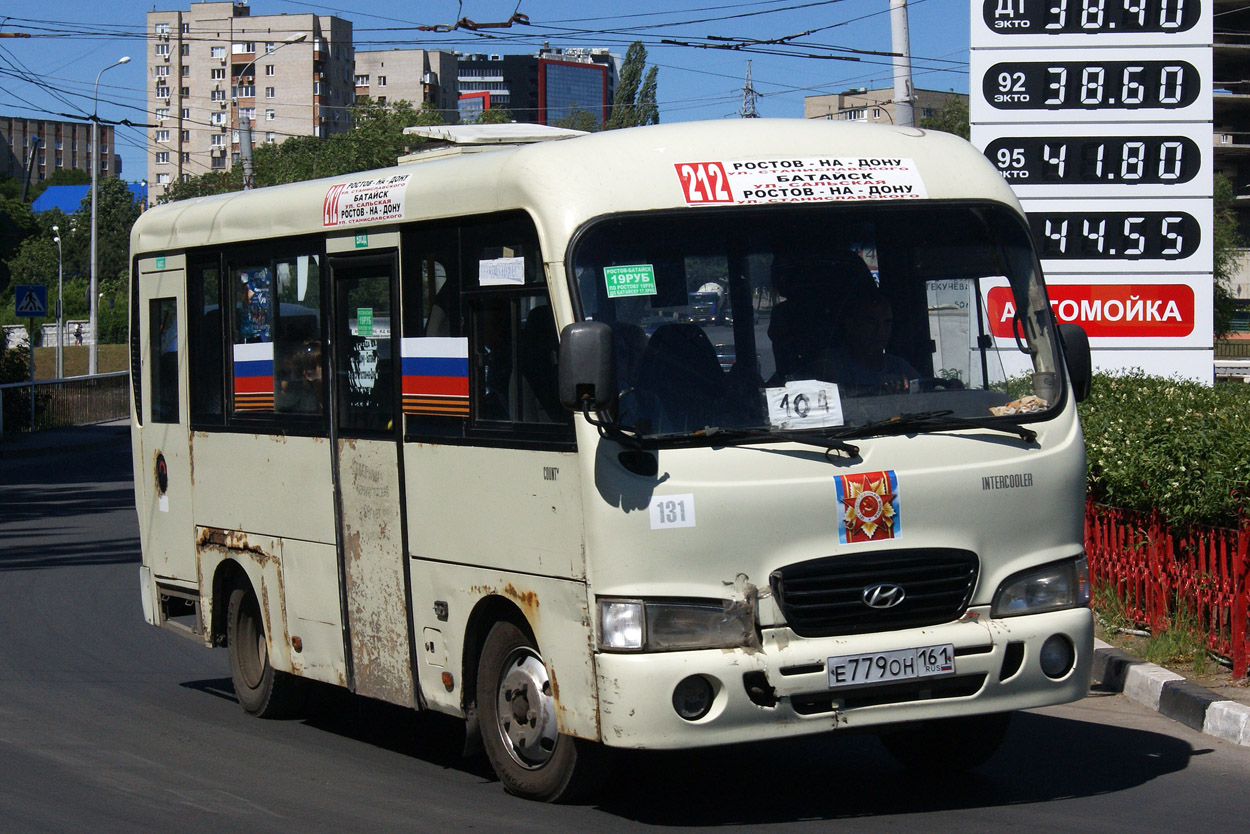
206, 356
251, 295
514, 348
163, 330
434, 357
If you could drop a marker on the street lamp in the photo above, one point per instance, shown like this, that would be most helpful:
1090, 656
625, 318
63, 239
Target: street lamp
60, 309
245, 127
95, 175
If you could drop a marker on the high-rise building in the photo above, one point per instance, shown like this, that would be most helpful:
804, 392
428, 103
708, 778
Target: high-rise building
1231, 59
210, 65
418, 76
62, 146
543, 88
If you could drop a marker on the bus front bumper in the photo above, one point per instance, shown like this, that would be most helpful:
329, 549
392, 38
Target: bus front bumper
783, 688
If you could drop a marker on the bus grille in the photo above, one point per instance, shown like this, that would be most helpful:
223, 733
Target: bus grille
825, 597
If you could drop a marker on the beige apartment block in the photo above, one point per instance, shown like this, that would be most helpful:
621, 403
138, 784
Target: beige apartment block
57, 145
420, 77
214, 62
877, 106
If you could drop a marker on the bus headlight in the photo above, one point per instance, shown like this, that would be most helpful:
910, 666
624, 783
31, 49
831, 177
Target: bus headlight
664, 625
1049, 588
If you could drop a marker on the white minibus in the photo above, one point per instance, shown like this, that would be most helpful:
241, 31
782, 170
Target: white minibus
668, 437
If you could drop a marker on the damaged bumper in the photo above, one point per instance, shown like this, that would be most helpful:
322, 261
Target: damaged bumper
783, 688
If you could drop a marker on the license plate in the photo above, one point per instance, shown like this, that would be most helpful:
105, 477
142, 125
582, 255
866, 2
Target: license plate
898, 665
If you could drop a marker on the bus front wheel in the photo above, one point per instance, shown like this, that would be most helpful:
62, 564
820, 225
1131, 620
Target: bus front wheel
262, 690
517, 712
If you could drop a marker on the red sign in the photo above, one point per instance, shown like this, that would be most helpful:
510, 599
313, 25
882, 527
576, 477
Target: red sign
704, 182
868, 507
1118, 311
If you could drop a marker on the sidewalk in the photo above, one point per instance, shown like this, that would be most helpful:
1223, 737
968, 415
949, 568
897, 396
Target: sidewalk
59, 441
1219, 709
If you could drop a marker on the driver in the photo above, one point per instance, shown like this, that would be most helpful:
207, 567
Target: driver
857, 357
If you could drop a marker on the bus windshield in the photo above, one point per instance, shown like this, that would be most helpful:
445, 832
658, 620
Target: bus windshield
821, 317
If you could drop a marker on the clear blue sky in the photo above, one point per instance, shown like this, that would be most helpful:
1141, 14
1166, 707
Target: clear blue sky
52, 73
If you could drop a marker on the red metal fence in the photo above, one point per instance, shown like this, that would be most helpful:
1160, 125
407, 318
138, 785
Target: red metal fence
1163, 574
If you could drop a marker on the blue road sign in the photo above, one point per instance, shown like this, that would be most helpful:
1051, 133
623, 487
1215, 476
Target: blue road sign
31, 300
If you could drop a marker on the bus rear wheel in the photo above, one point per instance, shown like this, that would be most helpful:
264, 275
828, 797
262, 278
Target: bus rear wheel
517, 712
262, 690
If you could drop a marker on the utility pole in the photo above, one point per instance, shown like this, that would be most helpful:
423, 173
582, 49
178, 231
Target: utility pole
30, 165
904, 115
748, 98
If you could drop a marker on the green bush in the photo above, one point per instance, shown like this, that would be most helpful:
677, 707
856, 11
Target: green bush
1169, 444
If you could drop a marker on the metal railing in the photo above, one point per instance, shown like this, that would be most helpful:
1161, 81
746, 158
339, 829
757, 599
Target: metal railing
74, 401
1165, 576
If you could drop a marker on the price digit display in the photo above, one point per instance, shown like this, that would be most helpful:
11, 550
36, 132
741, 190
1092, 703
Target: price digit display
1090, 17
1096, 160
1128, 235
1080, 85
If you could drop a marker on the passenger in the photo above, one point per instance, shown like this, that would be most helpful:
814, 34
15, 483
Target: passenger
857, 360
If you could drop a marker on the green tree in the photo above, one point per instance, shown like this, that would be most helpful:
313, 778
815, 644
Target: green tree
951, 117
634, 102
580, 120
494, 116
376, 140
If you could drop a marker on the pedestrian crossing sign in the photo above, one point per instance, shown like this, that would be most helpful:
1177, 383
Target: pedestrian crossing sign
31, 300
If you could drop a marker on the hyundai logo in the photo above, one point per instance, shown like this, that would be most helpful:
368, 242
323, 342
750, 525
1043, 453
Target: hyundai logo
885, 595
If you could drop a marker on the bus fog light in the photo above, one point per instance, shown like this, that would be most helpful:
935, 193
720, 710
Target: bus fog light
692, 698
1057, 656
620, 624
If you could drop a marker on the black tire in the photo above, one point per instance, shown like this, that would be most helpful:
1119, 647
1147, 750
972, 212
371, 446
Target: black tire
261, 690
516, 711
949, 744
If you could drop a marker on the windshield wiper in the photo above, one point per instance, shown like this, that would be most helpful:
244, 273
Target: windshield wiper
935, 421
812, 437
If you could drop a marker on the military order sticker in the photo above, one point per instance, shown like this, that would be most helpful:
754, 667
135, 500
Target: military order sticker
671, 511
868, 507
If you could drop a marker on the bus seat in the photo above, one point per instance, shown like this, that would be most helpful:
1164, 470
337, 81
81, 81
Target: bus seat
680, 368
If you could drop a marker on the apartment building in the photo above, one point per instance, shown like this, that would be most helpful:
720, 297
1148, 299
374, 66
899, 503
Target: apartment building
213, 63
863, 105
62, 146
420, 77
542, 88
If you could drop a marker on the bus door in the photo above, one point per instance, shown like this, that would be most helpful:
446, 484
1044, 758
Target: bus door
165, 503
374, 579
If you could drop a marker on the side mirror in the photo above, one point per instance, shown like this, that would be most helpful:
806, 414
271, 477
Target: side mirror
587, 366
1076, 356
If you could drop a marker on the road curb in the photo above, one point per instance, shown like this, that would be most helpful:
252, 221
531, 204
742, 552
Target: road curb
1171, 695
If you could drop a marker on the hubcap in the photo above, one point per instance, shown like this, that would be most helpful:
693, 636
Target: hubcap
526, 710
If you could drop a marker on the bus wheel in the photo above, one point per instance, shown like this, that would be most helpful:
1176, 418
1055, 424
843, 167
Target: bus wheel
948, 744
261, 690
517, 711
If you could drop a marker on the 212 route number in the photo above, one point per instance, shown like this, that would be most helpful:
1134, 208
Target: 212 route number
704, 182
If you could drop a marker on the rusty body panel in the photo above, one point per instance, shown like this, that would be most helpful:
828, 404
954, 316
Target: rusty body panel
373, 569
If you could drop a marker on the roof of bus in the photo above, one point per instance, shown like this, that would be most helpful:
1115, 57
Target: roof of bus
567, 182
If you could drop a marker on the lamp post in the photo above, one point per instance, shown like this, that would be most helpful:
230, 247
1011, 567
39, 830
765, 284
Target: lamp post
244, 123
60, 309
95, 176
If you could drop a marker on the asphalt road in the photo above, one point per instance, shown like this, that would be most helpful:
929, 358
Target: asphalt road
109, 725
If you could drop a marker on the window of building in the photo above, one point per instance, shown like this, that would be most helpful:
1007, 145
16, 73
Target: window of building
250, 112
186, 50
185, 92
269, 115
162, 28
186, 112
186, 136
217, 95
162, 92
271, 137
855, 115
162, 179
184, 70
243, 47
162, 49
162, 136
217, 118
217, 52
269, 69
217, 140
186, 28
244, 90
162, 113
219, 162
162, 157
270, 92
362, 80
186, 156
162, 70
270, 46
381, 80
876, 112
218, 74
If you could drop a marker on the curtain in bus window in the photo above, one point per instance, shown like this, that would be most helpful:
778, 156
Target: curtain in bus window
252, 297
